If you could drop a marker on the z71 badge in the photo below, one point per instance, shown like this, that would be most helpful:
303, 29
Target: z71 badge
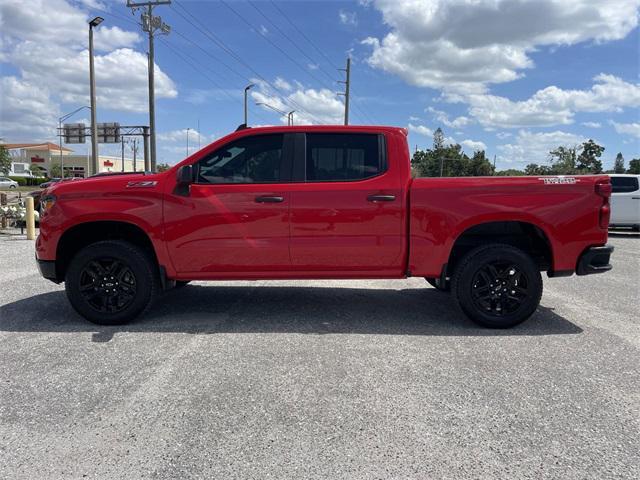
558, 180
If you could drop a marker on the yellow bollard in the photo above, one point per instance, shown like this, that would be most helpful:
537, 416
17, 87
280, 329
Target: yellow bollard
31, 221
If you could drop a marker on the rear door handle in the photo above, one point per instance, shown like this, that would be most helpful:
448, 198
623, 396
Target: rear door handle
268, 199
381, 198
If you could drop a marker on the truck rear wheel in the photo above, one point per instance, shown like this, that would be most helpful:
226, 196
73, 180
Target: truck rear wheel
111, 282
497, 286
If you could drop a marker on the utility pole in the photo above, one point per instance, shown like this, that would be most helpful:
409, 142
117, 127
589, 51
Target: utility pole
151, 24
187, 142
92, 86
145, 145
246, 91
135, 150
122, 140
347, 85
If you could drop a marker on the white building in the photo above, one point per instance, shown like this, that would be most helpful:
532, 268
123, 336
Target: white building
43, 156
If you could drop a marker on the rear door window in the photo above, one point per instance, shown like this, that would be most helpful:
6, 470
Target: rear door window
624, 184
343, 157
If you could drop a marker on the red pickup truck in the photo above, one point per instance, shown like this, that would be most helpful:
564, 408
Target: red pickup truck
319, 202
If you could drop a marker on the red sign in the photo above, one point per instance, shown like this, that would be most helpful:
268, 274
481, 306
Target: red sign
37, 159
108, 163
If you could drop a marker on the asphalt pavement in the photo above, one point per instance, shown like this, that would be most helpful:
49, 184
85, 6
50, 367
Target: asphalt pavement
321, 380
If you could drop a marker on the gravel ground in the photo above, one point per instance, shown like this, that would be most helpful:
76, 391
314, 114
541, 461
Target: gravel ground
323, 379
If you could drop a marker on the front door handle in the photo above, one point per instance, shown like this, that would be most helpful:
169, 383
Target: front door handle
268, 199
381, 198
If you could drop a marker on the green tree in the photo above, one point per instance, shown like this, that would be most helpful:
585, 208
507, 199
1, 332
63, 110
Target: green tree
35, 170
535, 169
55, 171
563, 160
634, 166
510, 172
479, 165
618, 166
163, 167
5, 161
589, 159
438, 139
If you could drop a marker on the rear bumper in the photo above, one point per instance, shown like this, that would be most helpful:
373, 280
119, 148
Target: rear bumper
595, 260
48, 270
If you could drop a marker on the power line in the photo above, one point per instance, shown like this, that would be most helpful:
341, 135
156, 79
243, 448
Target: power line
259, 32
211, 36
272, 43
289, 38
188, 59
286, 17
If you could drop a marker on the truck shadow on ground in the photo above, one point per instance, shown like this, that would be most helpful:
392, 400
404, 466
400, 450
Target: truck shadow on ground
280, 309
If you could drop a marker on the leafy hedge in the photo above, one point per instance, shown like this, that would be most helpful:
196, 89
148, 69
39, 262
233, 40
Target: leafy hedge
29, 181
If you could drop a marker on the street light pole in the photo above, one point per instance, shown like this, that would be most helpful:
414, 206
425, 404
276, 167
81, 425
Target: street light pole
188, 141
246, 91
92, 81
290, 117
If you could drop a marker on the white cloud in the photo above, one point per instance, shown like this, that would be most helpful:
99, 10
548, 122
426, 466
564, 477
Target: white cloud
420, 130
442, 117
632, 129
26, 110
463, 46
591, 124
534, 147
348, 18
503, 135
311, 106
52, 59
180, 135
474, 145
282, 84
313, 66
109, 38
554, 106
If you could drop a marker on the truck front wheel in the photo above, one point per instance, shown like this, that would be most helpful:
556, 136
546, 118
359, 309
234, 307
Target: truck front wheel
111, 282
497, 286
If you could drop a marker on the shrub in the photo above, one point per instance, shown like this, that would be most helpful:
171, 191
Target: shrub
22, 181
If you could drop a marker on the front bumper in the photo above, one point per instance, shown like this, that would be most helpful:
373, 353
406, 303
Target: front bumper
595, 260
48, 269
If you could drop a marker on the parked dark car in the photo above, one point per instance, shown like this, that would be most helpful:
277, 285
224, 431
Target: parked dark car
49, 183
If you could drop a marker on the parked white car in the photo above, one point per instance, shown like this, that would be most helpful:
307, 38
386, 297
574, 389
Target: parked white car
625, 201
7, 183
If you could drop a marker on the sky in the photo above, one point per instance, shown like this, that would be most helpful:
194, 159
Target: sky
513, 78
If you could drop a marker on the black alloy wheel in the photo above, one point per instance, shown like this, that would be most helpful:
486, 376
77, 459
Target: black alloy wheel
111, 282
500, 288
497, 286
108, 285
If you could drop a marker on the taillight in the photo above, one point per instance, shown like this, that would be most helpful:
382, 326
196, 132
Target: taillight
603, 188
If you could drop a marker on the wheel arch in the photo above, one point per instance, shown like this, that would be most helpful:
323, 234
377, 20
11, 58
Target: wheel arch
521, 234
82, 234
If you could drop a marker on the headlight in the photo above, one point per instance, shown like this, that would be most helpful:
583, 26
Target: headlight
46, 202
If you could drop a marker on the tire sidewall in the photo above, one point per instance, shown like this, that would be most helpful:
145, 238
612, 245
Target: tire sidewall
463, 279
140, 265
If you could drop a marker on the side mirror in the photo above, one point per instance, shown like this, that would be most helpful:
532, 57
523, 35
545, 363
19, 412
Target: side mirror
184, 175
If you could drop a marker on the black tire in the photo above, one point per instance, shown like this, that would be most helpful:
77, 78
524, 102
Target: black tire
435, 283
511, 270
12, 186
181, 283
111, 282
